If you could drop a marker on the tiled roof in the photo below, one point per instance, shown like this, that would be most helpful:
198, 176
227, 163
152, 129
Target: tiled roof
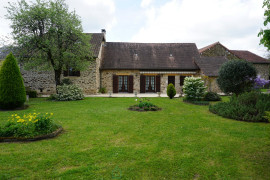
210, 65
141, 56
251, 57
96, 40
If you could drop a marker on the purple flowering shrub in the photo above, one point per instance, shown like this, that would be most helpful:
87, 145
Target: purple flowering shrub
260, 82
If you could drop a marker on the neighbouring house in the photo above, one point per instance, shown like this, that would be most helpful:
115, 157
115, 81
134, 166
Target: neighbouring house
123, 67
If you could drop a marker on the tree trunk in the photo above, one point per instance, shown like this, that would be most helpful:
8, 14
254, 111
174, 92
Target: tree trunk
57, 75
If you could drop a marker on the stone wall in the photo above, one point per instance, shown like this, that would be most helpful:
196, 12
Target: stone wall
218, 50
43, 81
263, 70
107, 80
211, 84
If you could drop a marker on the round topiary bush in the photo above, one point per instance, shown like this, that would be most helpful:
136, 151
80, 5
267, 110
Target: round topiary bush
193, 88
236, 76
171, 92
12, 91
212, 96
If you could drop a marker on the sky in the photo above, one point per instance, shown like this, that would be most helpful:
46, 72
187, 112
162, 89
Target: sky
234, 23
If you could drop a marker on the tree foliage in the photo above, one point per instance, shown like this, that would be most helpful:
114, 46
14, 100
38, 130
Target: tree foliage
194, 88
48, 36
236, 76
171, 92
12, 91
265, 33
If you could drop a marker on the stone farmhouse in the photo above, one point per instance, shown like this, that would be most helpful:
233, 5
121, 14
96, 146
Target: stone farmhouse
123, 67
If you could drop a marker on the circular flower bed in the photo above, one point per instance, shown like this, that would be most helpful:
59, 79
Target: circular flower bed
29, 127
144, 105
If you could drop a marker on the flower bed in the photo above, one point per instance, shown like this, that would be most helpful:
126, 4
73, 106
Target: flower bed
144, 105
32, 126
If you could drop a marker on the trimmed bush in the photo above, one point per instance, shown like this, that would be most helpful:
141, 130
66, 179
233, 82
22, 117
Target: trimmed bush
12, 91
236, 76
211, 96
68, 93
171, 92
249, 106
103, 90
193, 88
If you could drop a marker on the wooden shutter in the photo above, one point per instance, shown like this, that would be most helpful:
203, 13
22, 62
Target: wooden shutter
142, 84
130, 84
158, 83
115, 84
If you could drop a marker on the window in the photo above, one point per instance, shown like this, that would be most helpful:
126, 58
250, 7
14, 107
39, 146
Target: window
150, 84
182, 79
122, 83
71, 72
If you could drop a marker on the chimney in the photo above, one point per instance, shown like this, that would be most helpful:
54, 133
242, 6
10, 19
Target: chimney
103, 31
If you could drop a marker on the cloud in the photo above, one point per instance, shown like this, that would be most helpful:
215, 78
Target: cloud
95, 14
235, 23
146, 3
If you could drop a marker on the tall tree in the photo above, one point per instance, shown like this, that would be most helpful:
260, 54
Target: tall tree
265, 33
48, 36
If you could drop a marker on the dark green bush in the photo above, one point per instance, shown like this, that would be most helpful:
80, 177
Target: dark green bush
236, 76
66, 81
212, 96
249, 106
103, 90
12, 91
31, 93
171, 92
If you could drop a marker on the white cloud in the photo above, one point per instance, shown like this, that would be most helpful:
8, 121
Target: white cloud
146, 3
235, 23
95, 14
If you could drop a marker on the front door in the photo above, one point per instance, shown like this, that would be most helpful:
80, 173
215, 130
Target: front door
171, 79
122, 83
150, 84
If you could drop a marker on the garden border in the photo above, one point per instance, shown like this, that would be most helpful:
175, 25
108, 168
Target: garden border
37, 138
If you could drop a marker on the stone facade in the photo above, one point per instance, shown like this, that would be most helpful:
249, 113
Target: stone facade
43, 81
107, 80
211, 84
263, 70
218, 50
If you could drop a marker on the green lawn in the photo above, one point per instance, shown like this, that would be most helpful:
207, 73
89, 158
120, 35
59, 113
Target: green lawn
103, 140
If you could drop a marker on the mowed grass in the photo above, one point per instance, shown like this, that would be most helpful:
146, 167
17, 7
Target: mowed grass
103, 140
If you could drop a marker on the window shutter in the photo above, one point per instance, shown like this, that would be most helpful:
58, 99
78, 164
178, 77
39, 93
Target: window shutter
65, 73
142, 84
115, 84
130, 84
158, 83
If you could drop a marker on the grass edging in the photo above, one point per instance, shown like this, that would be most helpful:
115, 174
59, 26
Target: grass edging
37, 138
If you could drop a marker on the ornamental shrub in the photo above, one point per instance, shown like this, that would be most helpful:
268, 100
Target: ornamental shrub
193, 89
68, 93
103, 90
171, 92
12, 91
212, 96
28, 125
236, 76
249, 106
260, 82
